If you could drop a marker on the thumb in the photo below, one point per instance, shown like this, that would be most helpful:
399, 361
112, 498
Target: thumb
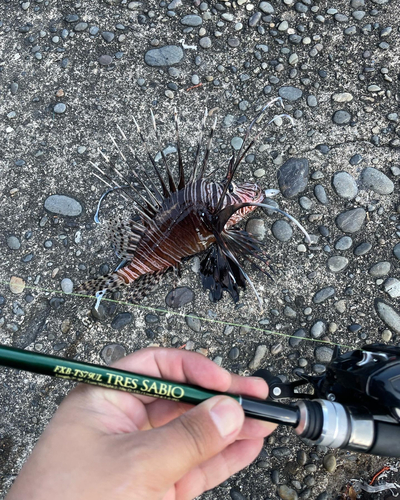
194, 437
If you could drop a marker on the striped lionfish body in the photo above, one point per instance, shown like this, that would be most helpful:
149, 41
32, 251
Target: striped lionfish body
182, 220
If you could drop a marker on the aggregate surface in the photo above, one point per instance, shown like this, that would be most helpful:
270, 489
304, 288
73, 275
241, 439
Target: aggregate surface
72, 72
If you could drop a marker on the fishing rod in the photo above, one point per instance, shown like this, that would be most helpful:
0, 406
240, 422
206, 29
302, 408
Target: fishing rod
355, 404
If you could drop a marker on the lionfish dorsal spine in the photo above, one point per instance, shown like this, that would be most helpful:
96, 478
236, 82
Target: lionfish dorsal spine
171, 182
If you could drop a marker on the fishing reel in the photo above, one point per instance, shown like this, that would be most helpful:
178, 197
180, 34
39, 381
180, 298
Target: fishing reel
354, 405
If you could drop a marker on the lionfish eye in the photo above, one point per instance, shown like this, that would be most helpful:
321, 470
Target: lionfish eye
230, 188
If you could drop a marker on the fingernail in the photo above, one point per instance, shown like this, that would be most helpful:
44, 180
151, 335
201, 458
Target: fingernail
227, 416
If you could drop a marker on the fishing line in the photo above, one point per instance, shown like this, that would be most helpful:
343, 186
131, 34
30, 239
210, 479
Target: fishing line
183, 315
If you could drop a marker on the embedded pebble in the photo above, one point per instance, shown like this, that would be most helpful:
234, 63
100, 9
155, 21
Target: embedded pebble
362, 248
343, 243
293, 176
60, 108
66, 285
290, 93
329, 462
396, 251
282, 230
351, 221
266, 7
323, 354
178, 297
105, 60
323, 294
341, 117
379, 269
17, 285
13, 243
320, 194
112, 353
376, 181
337, 263
121, 320
193, 323
342, 97
164, 56
258, 356
389, 315
345, 185
318, 329
63, 205
286, 493
294, 340
191, 20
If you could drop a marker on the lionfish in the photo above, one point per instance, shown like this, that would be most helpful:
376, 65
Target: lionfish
182, 219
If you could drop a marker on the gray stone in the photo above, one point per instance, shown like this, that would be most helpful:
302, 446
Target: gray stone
282, 230
13, 243
343, 243
329, 463
362, 248
389, 315
266, 7
341, 117
105, 60
178, 297
205, 42
320, 194
324, 294
281, 452
305, 203
337, 263
63, 205
80, 26
312, 101
164, 56
60, 108
396, 251
318, 329
323, 354
193, 323
290, 93
351, 221
286, 493
293, 177
376, 180
192, 20
258, 356
345, 185
108, 36
121, 320
379, 269
112, 353
392, 287
297, 337
67, 286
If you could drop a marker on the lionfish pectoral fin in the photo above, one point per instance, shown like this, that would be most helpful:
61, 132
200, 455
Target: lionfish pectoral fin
125, 236
145, 285
220, 273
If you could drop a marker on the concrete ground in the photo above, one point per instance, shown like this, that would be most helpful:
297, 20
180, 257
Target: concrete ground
71, 72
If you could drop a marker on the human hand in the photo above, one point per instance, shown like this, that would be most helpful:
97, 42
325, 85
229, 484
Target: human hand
107, 444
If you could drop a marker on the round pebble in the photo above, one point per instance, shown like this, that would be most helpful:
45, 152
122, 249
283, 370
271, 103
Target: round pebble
337, 263
178, 297
351, 221
60, 108
329, 462
282, 230
323, 294
376, 181
13, 243
345, 185
105, 60
121, 320
112, 353
389, 315
164, 56
380, 269
63, 205
341, 117
66, 285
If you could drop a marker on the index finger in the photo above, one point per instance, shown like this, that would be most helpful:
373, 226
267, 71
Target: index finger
190, 368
